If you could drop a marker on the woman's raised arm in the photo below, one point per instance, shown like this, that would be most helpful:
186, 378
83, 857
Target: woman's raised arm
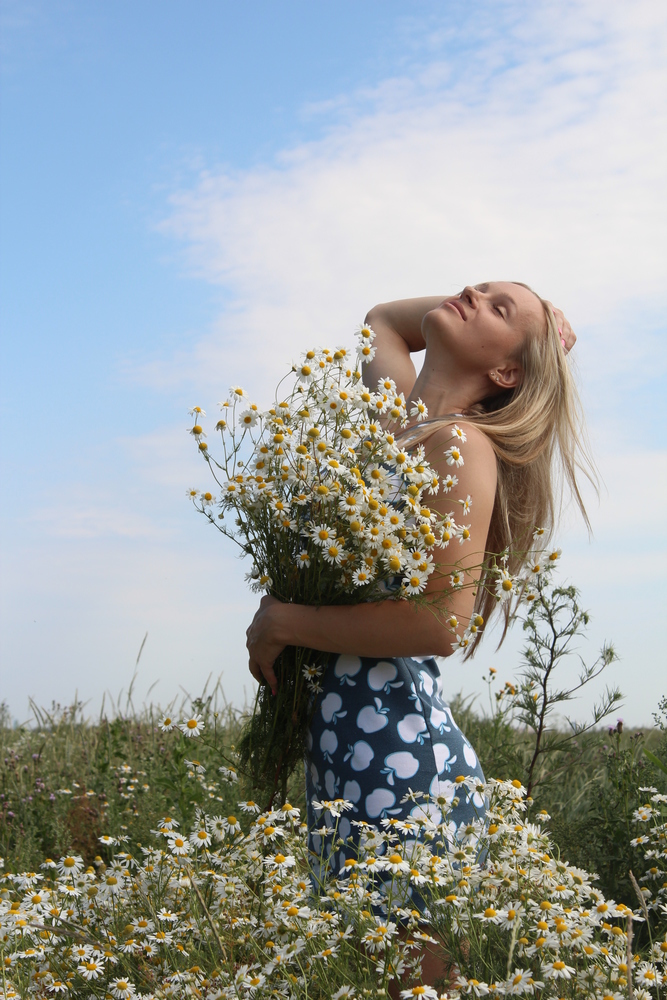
398, 326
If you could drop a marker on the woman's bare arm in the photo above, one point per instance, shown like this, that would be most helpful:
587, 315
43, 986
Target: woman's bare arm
393, 628
398, 326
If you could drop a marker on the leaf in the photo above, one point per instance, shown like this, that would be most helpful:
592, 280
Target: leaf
655, 760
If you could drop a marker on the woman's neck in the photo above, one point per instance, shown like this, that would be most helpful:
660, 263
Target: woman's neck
445, 391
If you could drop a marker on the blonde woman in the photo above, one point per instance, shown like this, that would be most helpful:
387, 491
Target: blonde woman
495, 372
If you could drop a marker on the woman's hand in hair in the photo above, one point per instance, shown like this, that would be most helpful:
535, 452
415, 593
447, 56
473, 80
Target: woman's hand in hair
568, 336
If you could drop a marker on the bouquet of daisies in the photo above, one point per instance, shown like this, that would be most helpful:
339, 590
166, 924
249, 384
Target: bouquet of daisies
323, 495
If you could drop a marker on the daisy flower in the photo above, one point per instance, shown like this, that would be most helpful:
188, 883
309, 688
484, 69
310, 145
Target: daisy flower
427, 992
200, 838
167, 723
228, 773
448, 483
280, 862
91, 969
647, 975
396, 863
415, 582
504, 585
365, 333
303, 559
250, 417
168, 823
458, 433
334, 554
419, 410
122, 989
454, 456
179, 846
362, 576
322, 535
71, 865
194, 726
236, 393
231, 825
557, 970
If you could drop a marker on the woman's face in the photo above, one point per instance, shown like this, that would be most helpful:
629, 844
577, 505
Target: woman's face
483, 327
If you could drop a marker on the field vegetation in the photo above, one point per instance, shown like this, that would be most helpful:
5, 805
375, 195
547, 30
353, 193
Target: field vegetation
136, 862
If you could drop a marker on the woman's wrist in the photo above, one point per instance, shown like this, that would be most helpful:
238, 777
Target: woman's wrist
284, 623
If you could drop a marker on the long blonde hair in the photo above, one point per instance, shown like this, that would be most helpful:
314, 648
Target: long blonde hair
538, 435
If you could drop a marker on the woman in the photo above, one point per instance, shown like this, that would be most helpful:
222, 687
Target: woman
495, 367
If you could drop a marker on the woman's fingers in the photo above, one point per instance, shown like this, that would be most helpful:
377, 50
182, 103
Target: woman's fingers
567, 335
262, 647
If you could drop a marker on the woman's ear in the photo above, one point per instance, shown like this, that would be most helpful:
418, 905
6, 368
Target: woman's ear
507, 377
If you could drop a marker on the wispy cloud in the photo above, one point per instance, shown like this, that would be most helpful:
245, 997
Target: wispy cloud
531, 154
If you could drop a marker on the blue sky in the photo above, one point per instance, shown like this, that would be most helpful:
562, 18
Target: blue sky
194, 192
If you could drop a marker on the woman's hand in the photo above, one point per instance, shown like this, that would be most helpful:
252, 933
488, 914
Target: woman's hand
263, 642
567, 335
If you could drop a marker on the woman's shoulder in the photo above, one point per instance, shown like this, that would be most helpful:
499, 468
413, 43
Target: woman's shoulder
458, 435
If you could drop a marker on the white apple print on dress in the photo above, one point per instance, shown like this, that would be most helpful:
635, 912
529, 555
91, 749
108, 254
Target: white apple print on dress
315, 777
370, 719
344, 827
352, 792
360, 755
382, 677
415, 697
426, 682
331, 783
400, 765
328, 744
443, 761
379, 801
346, 668
440, 717
413, 727
469, 754
331, 708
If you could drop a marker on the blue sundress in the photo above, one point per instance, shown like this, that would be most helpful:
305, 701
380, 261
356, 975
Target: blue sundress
380, 727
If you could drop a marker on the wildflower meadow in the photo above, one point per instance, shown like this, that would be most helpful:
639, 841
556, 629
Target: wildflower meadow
136, 864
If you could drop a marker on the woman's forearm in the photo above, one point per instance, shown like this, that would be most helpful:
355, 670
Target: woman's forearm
398, 334
404, 317
387, 628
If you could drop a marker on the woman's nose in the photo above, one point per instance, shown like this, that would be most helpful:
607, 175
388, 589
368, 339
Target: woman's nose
470, 295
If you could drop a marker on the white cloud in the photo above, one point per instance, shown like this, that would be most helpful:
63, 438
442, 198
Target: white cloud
540, 161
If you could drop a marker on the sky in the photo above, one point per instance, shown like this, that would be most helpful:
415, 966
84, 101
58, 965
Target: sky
192, 194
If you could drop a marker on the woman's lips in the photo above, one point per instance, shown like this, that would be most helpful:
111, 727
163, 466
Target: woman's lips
455, 304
